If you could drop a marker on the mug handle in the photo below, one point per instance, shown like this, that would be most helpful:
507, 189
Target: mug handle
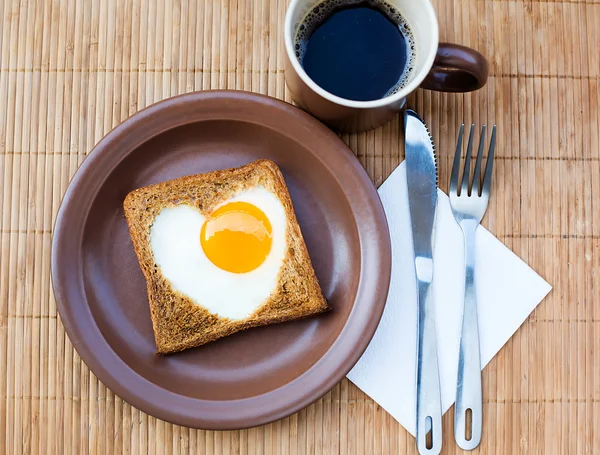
456, 68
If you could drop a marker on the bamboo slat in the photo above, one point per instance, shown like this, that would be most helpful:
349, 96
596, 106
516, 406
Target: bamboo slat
70, 70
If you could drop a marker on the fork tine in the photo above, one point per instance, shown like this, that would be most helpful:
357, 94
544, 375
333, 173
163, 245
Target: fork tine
489, 166
464, 182
476, 185
456, 163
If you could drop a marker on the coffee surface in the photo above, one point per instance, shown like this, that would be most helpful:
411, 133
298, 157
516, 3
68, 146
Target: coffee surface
359, 51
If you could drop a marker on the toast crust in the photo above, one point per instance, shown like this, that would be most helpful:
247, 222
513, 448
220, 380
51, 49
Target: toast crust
178, 322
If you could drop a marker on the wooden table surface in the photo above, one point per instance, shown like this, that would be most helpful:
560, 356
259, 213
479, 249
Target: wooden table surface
70, 70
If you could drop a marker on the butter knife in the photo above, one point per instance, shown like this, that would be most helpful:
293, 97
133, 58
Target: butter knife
421, 175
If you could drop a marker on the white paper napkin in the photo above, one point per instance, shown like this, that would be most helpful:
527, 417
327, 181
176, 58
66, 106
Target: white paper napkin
507, 291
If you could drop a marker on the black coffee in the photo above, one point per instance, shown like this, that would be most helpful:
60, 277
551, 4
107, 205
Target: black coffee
359, 50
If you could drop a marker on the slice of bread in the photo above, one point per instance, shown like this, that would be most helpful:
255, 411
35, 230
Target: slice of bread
180, 323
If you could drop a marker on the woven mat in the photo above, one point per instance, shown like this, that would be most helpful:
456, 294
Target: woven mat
71, 70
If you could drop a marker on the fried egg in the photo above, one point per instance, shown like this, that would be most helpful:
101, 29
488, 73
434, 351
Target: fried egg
226, 261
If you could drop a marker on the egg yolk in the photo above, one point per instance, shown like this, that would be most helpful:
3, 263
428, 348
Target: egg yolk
236, 237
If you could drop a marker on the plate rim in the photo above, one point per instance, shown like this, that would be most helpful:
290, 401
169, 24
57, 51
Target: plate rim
108, 366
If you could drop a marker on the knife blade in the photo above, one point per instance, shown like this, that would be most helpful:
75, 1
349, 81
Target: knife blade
421, 175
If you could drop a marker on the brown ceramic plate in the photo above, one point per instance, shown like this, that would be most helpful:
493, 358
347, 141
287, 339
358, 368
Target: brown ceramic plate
252, 377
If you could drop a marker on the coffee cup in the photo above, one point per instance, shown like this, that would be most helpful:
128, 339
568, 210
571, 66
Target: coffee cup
444, 67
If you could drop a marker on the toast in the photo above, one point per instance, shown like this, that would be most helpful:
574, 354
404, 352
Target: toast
180, 323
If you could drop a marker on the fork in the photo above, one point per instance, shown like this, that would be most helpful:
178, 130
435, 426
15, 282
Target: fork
469, 203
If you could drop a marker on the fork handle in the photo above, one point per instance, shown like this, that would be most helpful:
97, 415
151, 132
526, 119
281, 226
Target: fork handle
429, 405
468, 390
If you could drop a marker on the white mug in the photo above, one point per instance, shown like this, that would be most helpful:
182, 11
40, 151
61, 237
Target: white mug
438, 66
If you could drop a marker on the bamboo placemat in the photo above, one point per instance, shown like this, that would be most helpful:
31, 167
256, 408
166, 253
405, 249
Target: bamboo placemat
71, 70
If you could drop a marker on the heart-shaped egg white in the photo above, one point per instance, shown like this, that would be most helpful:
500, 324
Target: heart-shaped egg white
175, 244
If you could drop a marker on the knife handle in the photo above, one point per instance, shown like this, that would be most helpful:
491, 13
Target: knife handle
429, 406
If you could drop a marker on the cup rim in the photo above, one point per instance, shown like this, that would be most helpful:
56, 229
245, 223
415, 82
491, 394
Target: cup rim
403, 93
